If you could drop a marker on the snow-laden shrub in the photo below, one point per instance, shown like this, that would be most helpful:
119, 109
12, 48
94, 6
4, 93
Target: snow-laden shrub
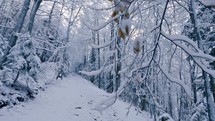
22, 63
18, 78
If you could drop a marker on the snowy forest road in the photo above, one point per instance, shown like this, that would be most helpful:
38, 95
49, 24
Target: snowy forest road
70, 99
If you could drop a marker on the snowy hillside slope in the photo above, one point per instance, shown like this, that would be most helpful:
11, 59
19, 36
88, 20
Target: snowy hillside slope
71, 99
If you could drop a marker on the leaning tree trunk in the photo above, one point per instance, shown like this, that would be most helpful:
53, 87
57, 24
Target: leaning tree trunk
33, 14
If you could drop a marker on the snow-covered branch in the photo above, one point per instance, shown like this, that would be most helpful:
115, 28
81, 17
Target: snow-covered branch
177, 81
195, 55
93, 73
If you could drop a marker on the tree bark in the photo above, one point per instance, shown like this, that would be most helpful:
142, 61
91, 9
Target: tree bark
212, 86
33, 14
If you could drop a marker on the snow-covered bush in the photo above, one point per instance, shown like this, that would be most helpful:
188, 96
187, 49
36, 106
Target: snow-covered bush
18, 78
22, 57
22, 64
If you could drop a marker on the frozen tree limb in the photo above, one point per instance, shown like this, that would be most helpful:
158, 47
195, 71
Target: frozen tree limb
93, 73
177, 81
195, 55
199, 52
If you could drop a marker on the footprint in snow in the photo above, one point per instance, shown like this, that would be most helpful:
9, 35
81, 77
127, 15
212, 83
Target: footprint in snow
76, 114
77, 107
90, 102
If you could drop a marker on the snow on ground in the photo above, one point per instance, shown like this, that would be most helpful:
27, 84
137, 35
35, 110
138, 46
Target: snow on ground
71, 99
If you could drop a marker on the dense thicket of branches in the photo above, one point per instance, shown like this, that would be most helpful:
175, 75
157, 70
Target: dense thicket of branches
157, 55
36, 37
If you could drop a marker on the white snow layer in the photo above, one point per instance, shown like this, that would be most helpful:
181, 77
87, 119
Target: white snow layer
208, 2
71, 99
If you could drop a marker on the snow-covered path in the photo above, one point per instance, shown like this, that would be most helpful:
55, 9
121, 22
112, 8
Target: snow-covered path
70, 99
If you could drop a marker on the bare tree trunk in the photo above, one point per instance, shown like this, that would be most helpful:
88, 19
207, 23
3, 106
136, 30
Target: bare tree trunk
51, 13
212, 86
33, 14
118, 64
61, 13
110, 76
210, 103
69, 24
99, 61
192, 74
